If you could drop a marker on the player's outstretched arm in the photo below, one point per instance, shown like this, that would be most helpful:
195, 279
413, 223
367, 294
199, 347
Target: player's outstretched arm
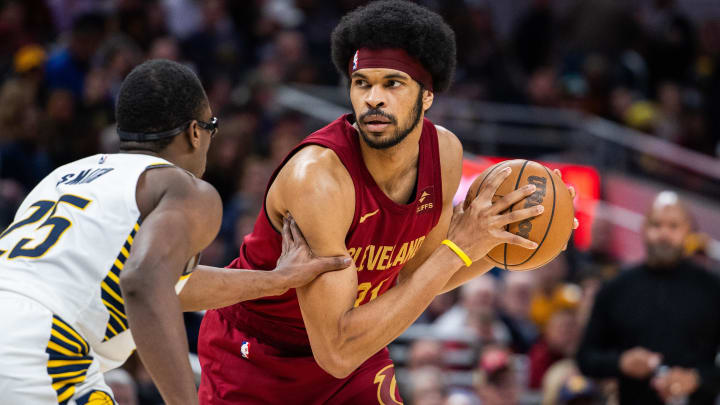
343, 336
213, 287
181, 216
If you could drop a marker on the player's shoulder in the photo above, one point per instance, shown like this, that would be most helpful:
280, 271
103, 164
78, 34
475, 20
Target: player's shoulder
316, 188
174, 178
316, 169
451, 149
451, 153
175, 184
448, 140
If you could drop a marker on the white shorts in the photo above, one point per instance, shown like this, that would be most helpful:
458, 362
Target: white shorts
44, 360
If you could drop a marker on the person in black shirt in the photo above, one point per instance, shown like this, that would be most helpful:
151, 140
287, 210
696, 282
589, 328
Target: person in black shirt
656, 327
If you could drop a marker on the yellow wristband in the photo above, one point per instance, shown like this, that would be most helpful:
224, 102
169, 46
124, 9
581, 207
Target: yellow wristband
455, 248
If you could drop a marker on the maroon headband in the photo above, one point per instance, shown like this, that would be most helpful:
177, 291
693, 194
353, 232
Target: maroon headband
390, 58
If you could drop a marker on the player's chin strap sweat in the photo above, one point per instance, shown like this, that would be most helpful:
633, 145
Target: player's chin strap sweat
391, 58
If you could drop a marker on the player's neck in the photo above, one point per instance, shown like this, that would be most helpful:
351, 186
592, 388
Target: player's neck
390, 166
166, 154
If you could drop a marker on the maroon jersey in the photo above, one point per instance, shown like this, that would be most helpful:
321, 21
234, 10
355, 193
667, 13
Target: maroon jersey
383, 236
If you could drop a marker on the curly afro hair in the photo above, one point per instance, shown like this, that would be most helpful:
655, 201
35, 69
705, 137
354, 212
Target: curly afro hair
398, 24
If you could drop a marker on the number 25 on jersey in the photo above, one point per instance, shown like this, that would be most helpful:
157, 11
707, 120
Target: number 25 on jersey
27, 246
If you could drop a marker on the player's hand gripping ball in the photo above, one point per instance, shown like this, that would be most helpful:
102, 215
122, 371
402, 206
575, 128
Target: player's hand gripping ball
551, 230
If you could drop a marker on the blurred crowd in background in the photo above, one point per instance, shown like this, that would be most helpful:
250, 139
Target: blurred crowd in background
644, 64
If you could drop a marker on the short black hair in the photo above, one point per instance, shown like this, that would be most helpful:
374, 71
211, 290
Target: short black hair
158, 95
422, 33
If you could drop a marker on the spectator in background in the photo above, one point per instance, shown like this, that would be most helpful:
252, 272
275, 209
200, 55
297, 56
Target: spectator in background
661, 312
534, 36
559, 341
515, 296
709, 76
287, 132
22, 23
425, 353
543, 88
498, 382
184, 17
590, 279
123, 386
256, 173
669, 110
22, 156
671, 40
552, 292
227, 154
427, 386
97, 109
165, 47
555, 378
61, 131
217, 47
459, 398
67, 67
141, 22
475, 317
578, 390
28, 64
288, 53
439, 306
116, 57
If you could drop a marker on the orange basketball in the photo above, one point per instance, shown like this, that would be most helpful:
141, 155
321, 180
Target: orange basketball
550, 230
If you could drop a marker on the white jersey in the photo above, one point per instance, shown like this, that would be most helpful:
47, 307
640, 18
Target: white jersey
69, 241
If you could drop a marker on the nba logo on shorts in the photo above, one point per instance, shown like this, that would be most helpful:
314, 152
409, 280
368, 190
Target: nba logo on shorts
355, 60
102, 159
245, 350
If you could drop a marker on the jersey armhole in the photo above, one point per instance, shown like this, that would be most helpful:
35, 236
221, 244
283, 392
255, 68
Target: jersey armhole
132, 197
286, 160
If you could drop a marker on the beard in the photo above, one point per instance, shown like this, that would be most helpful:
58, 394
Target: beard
662, 255
400, 133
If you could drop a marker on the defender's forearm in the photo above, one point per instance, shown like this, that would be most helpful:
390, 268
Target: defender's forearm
214, 287
159, 333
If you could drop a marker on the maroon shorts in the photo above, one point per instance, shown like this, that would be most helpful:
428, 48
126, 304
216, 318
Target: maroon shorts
239, 368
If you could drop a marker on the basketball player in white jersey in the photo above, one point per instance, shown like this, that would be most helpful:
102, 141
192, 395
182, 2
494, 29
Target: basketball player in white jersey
106, 243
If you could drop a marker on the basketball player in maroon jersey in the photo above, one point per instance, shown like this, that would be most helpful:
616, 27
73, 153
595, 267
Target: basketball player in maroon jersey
378, 184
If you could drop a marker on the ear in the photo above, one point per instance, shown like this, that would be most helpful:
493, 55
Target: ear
193, 134
427, 99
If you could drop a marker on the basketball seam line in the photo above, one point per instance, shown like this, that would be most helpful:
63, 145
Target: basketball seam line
478, 193
507, 227
493, 259
483, 181
547, 230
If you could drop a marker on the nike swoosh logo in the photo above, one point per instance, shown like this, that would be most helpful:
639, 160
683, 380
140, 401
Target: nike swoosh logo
368, 215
